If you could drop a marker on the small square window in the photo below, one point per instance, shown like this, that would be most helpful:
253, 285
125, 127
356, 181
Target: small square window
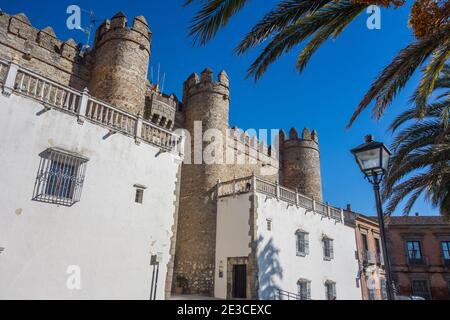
139, 198
269, 224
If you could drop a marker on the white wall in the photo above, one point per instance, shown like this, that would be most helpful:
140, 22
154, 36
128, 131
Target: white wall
232, 237
106, 234
280, 267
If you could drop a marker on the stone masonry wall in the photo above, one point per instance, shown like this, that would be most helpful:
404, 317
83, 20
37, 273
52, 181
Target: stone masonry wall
121, 56
301, 163
41, 52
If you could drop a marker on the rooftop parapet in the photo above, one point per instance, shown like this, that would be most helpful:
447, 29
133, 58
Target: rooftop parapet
117, 28
205, 82
41, 51
307, 139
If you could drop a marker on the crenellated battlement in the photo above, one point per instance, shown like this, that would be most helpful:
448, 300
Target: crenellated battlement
240, 139
117, 28
204, 83
41, 51
308, 139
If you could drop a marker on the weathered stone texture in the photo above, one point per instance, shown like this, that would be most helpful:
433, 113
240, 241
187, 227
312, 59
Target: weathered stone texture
41, 52
208, 101
301, 164
121, 55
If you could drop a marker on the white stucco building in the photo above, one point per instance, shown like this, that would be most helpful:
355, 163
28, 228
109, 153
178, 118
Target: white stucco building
273, 243
86, 200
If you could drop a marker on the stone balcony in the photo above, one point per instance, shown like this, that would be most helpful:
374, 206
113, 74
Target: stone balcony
254, 184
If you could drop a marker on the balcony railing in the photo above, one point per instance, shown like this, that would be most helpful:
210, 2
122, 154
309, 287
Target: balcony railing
14, 78
245, 185
286, 295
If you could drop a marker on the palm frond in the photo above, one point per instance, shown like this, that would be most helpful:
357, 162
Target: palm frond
286, 13
291, 36
430, 75
394, 77
213, 15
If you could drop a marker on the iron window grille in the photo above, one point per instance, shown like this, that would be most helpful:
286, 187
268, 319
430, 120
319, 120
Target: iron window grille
328, 251
330, 290
302, 243
304, 289
421, 288
60, 177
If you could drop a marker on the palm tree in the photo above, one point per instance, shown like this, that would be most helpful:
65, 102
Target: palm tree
292, 22
420, 164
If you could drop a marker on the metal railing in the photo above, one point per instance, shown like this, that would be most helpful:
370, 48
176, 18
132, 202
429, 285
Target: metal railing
286, 295
51, 94
245, 184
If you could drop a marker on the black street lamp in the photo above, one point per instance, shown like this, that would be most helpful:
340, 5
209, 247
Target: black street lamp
373, 158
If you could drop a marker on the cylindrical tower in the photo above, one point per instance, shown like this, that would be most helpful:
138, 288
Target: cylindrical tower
301, 163
121, 56
206, 104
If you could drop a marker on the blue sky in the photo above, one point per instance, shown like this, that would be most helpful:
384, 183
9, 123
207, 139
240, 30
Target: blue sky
322, 97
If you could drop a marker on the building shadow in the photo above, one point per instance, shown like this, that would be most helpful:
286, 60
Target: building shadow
270, 271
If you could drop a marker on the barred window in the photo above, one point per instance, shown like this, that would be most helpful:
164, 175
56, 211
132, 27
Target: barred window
304, 289
421, 288
330, 290
328, 251
60, 177
302, 243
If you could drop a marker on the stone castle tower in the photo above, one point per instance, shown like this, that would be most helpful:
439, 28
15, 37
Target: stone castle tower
204, 100
115, 71
207, 100
120, 63
300, 160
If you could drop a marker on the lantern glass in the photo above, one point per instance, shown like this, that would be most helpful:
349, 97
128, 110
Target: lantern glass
372, 157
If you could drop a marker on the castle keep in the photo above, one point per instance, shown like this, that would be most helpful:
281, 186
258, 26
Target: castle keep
184, 214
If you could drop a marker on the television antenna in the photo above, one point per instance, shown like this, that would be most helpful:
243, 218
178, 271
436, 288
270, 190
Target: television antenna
88, 30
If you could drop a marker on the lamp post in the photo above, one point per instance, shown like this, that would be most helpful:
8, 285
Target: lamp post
373, 158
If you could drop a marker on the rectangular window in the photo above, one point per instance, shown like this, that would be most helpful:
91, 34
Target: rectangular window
420, 288
365, 242
330, 290
60, 177
379, 255
414, 251
445, 248
302, 243
304, 289
328, 248
139, 197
